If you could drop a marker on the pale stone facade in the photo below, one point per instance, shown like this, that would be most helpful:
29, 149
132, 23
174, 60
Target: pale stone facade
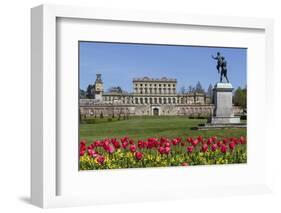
150, 96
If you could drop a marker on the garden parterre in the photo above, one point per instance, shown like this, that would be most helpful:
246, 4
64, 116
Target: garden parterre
113, 153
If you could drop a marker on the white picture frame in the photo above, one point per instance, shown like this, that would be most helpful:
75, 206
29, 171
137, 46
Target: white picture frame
45, 178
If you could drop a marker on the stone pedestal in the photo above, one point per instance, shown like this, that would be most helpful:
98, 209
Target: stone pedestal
223, 111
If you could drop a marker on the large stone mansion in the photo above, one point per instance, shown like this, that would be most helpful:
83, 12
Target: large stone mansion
150, 96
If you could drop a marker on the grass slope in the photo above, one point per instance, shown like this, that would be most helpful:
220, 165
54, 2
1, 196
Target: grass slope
144, 127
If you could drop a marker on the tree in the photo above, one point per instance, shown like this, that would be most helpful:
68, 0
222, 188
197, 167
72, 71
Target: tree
82, 94
190, 88
210, 91
199, 88
89, 93
240, 97
182, 90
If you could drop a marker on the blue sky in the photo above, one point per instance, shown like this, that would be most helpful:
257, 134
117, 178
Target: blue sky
119, 63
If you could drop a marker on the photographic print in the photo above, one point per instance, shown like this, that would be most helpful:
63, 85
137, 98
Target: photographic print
155, 105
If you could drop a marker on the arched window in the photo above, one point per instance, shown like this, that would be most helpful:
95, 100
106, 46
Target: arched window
145, 100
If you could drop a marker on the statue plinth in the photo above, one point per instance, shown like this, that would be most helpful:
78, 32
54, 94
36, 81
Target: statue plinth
223, 110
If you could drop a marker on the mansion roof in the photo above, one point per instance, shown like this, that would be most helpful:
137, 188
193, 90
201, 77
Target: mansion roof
147, 79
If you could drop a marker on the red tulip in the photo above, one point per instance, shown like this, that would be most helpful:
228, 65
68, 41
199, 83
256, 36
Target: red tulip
225, 140
214, 138
242, 140
223, 148
185, 164
83, 142
133, 148
90, 152
100, 159
214, 147
138, 155
204, 148
167, 150
194, 142
116, 144
209, 141
82, 153
200, 138
161, 150
189, 139
190, 149
125, 144
232, 145
167, 144
110, 149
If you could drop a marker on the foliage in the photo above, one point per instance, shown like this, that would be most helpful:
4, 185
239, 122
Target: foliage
199, 88
210, 91
240, 97
111, 153
82, 94
89, 93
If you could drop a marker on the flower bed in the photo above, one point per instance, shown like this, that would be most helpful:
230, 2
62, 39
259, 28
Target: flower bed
112, 153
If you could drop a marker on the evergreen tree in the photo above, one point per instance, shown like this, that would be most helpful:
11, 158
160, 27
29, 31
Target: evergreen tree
210, 91
199, 88
89, 91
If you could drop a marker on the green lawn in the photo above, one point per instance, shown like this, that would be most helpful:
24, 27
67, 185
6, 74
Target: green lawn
144, 127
